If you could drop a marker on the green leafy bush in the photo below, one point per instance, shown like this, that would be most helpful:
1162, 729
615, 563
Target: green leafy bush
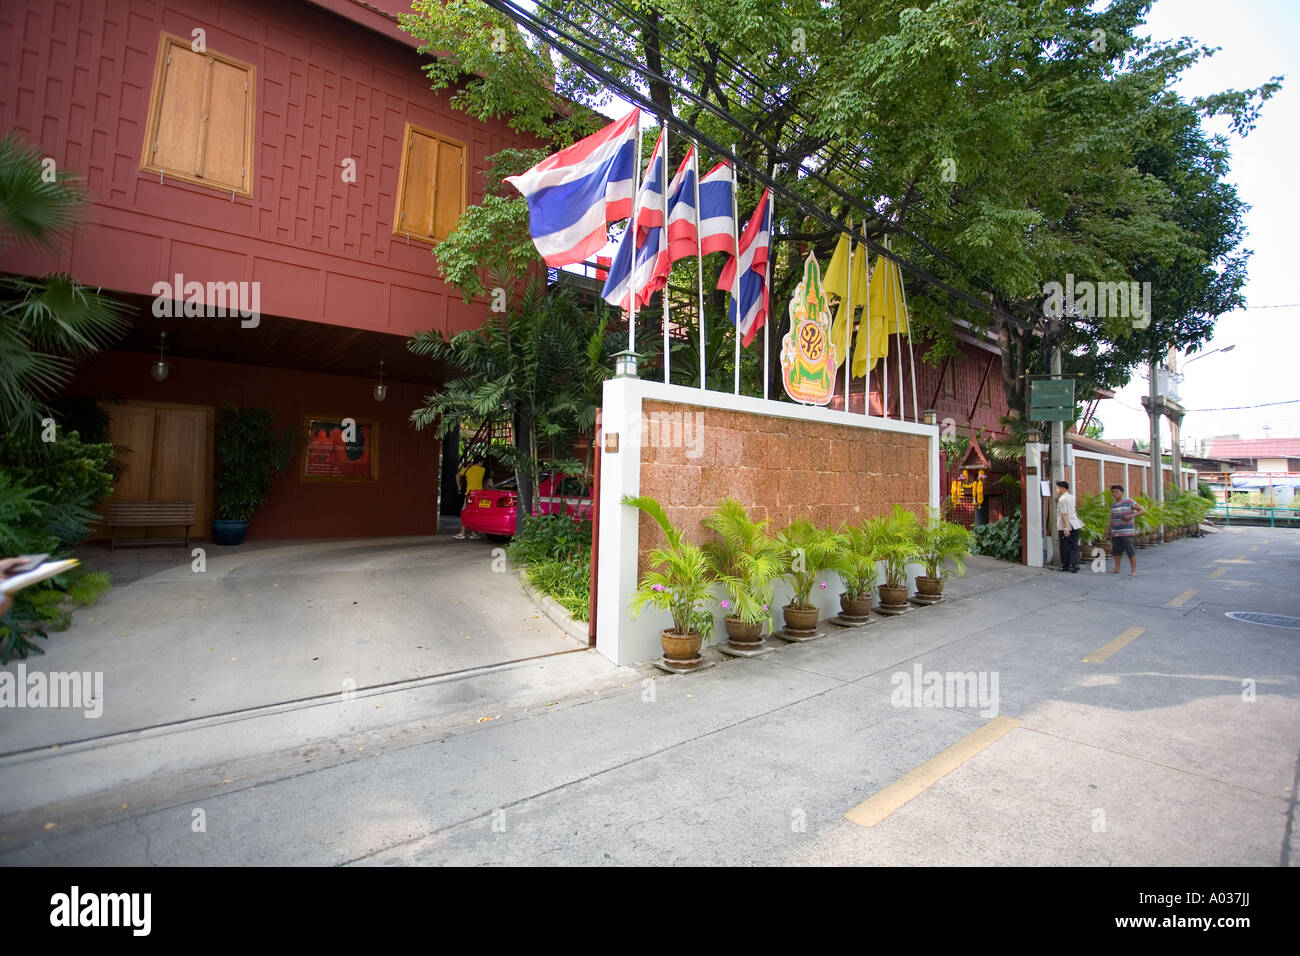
1094, 512
1000, 539
47, 491
568, 582
555, 537
555, 551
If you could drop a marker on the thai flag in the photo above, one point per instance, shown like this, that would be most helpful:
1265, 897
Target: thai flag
718, 232
752, 294
574, 193
717, 222
652, 264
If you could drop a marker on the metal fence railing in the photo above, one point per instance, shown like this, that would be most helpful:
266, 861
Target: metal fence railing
1243, 512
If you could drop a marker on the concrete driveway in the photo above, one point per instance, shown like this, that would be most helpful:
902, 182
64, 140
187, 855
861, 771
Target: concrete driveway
269, 623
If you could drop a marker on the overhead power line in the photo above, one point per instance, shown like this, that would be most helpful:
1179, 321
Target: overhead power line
581, 54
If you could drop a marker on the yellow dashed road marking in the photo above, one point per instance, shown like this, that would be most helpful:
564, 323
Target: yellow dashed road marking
1184, 597
1110, 647
1219, 573
1253, 548
916, 781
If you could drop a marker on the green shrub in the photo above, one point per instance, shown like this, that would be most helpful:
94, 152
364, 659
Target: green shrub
47, 491
550, 536
568, 582
555, 552
1000, 539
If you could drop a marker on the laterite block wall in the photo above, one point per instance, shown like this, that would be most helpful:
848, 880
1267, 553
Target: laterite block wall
781, 468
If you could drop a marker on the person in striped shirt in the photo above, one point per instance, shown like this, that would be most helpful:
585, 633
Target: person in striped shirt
1123, 511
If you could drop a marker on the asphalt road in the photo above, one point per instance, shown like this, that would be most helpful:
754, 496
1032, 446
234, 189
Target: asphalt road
1112, 721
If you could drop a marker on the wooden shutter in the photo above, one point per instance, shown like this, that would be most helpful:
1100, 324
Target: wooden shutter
418, 182
225, 152
449, 200
200, 123
179, 107
431, 195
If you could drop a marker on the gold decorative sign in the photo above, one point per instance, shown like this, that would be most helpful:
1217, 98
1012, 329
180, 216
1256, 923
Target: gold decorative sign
808, 359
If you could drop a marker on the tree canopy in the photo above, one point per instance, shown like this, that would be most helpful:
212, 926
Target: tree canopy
1000, 147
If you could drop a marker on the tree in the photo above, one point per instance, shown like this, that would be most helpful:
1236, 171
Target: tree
1000, 146
46, 324
542, 366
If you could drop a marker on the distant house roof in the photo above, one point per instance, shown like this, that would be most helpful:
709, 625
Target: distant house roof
1240, 449
1128, 444
1103, 448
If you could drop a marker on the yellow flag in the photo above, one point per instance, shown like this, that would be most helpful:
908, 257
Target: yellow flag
872, 343
835, 280
838, 270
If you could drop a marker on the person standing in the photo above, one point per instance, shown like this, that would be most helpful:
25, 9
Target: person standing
1123, 511
1068, 525
469, 478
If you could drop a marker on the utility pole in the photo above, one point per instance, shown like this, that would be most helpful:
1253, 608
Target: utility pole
1175, 425
1156, 484
1058, 447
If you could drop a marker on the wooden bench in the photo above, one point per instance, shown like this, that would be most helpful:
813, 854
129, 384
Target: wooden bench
150, 514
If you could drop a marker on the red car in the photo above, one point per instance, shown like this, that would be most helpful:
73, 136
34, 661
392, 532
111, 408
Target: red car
493, 511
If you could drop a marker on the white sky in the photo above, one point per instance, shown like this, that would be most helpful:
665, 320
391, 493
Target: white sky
1258, 40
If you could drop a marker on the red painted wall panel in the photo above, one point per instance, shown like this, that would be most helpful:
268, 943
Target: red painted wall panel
402, 501
76, 77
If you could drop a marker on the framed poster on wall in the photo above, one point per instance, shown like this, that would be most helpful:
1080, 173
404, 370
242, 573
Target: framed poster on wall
340, 449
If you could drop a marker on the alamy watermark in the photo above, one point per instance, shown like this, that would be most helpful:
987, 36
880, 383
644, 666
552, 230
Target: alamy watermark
1105, 300
946, 689
208, 300
56, 689
674, 430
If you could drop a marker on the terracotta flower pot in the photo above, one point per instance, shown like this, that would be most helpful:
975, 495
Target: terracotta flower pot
800, 619
929, 587
738, 632
855, 608
681, 647
892, 597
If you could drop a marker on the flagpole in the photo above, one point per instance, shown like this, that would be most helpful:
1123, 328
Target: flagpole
699, 258
767, 287
847, 305
735, 278
902, 387
866, 319
636, 197
911, 356
881, 263
663, 180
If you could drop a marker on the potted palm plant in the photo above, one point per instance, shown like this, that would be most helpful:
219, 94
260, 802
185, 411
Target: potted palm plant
1142, 522
1095, 515
939, 544
855, 560
746, 561
250, 455
893, 538
806, 551
679, 584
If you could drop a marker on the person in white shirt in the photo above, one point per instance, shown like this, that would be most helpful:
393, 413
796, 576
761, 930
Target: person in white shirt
1068, 528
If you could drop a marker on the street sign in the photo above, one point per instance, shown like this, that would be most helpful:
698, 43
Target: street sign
1051, 400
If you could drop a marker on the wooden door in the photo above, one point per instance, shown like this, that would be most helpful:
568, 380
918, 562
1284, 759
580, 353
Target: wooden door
169, 458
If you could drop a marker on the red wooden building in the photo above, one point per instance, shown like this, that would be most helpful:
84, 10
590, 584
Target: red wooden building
286, 157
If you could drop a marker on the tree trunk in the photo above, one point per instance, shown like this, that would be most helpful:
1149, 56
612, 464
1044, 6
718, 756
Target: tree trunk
522, 427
